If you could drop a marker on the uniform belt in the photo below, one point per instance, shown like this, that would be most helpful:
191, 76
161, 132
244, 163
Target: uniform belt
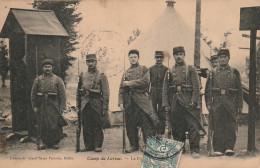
229, 91
137, 91
181, 88
93, 94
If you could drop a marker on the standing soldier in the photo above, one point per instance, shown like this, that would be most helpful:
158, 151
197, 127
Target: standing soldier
157, 73
133, 97
223, 95
3, 67
93, 90
49, 101
214, 61
181, 91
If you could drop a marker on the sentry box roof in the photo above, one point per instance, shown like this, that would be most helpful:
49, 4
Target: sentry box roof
32, 22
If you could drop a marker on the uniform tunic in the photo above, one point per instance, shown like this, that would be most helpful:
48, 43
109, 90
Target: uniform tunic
157, 73
225, 100
180, 88
138, 106
94, 107
51, 120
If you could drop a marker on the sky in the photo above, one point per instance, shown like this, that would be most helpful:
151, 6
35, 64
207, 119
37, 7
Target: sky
124, 16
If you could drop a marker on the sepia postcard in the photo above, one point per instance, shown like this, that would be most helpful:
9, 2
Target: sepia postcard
129, 83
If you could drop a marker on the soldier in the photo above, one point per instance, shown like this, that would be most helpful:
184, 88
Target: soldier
157, 73
4, 68
93, 90
223, 96
214, 61
49, 101
133, 97
181, 91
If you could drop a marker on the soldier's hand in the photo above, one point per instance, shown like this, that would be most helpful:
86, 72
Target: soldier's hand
104, 111
193, 104
166, 108
121, 106
35, 109
125, 83
209, 107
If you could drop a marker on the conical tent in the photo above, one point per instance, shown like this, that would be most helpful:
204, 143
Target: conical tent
168, 31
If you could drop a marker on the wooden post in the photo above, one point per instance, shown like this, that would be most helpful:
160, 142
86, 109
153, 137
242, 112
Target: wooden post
197, 49
252, 93
249, 20
197, 36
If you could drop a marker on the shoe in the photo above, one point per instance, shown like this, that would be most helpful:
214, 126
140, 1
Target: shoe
98, 149
42, 147
3, 86
229, 152
195, 155
55, 147
132, 149
218, 153
87, 149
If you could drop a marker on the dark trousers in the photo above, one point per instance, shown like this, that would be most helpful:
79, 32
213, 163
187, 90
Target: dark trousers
156, 96
92, 130
182, 122
136, 117
224, 136
51, 137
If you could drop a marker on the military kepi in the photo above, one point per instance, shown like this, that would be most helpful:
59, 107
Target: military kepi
223, 52
47, 61
213, 57
91, 57
134, 51
178, 49
159, 54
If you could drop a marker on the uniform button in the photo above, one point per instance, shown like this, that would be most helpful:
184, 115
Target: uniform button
218, 71
219, 81
183, 71
228, 71
219, 76
228, 76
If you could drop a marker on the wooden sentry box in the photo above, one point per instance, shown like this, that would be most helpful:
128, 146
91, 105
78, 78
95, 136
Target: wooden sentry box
34, 35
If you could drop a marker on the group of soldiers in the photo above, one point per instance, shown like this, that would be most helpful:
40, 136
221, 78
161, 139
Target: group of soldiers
150, 97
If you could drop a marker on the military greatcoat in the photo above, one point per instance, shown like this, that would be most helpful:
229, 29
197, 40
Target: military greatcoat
50, 106
223, 93
139, 109
180, 88
157, 73
93, 91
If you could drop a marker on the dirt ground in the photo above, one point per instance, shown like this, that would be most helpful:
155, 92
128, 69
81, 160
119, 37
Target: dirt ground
25, 154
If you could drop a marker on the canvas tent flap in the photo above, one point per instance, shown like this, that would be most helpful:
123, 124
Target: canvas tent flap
38, 22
